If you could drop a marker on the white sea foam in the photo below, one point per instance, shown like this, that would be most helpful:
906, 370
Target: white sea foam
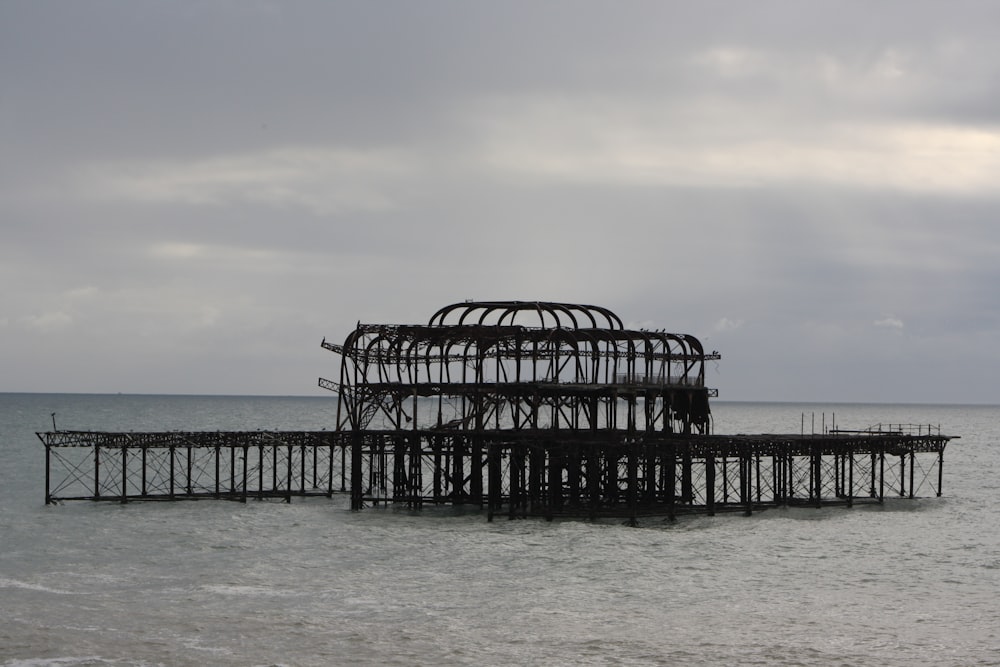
68, 661
13, 583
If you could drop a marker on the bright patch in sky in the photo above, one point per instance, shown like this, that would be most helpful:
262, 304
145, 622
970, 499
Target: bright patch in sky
321, 180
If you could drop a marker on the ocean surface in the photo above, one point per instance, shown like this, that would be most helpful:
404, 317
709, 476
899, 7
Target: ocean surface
911, 582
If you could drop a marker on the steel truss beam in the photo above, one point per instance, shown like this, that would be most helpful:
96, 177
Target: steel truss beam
174, 465
531, 473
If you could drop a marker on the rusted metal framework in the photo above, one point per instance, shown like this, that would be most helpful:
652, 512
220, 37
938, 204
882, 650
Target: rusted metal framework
711, 473
176, 465
520, 408
554, 409
521, 365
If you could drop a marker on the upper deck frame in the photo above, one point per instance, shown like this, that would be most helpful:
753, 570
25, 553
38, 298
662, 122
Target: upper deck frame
514, 365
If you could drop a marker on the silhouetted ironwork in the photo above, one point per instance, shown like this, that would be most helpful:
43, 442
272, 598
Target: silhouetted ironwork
173, 465
550, 409
520, 408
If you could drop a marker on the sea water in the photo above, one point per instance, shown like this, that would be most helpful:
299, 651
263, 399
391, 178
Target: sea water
910, 582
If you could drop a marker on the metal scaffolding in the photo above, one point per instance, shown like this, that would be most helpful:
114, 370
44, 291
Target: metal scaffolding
175, 465
519, 408
552, 409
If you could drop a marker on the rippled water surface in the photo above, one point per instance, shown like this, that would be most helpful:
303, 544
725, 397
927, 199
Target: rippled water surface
311, 583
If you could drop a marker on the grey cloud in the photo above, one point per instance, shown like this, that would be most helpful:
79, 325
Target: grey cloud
193, 194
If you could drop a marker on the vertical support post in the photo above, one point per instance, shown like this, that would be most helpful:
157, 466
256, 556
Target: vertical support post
593, 479
573, 475
710, 483
902, 475
493, 481
416, 471
274, 467
536, 476
343, 466
438, 471
746, 492
777, 480
124, 473
812, 476
476, 468
376, 470
881, 475
725, 479
837, 492
142, 490
97, 471
783, 461
399, 482
172, 466
650, 468
260, 472
288, 488
687, 486
476, 453
246, 455
940, 471
48, 473
850, 477
329, 470
515, 478
218, 453
873, 493
790, 474
189, 486
757, 475
817, 485
357, 463
458, 471
913, 456
611, 481
302, 468
670, 481
633, 480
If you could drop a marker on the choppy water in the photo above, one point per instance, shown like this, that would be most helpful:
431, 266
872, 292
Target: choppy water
311, 583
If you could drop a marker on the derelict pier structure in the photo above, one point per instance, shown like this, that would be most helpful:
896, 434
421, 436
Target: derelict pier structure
519, 408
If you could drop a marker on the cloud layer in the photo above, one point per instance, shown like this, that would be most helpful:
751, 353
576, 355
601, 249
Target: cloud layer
194, 194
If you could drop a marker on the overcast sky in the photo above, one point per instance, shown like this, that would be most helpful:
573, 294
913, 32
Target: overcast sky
194, 194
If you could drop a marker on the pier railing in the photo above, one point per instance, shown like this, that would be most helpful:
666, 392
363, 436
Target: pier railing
895, 429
